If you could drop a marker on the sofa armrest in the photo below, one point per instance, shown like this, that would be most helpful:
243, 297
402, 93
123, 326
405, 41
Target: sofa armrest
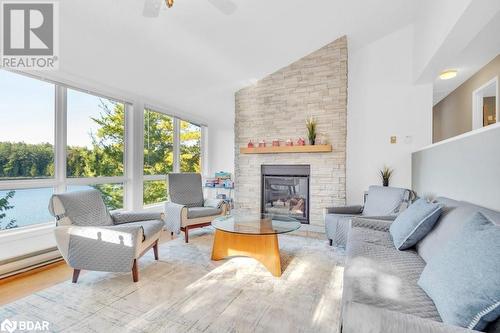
346, 210
214, 203
377, 319
128, 217
371, 223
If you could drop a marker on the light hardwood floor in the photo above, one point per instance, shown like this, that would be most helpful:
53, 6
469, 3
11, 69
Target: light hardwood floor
27, 283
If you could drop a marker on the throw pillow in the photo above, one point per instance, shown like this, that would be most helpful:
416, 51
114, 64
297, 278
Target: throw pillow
414, 223
463, 279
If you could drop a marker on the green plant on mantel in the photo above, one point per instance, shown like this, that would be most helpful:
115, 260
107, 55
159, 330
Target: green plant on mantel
386, 174
311, 130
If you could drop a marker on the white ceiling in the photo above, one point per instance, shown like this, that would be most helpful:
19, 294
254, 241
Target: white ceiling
484, 48
193, 57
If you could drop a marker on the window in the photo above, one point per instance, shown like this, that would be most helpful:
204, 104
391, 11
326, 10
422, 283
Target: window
158, 155
27, 134
95, 136
44, 122
190, 146
24, 207
155, 191
158, 143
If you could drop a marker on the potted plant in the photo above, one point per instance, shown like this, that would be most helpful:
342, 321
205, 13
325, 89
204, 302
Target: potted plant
311, 130
386, 174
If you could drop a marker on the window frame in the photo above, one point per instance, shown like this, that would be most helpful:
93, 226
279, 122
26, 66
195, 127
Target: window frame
177, 150
132, 180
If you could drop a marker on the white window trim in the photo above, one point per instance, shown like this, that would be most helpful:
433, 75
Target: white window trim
477, 104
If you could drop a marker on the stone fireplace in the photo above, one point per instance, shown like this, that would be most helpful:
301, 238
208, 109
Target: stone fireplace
285, 191
275, 108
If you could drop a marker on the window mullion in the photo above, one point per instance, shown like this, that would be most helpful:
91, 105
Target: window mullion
177, 145
60, 138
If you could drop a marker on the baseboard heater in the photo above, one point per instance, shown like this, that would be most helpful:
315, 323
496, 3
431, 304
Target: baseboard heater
28, 262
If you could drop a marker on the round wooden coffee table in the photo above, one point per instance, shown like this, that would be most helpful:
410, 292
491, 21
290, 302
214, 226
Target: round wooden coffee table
253, 236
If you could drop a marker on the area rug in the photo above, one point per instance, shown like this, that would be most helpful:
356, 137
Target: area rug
185, 291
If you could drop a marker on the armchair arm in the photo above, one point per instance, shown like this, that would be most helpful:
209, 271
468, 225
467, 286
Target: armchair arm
346, 210
214, 203
127, 217
371, 223
109, 248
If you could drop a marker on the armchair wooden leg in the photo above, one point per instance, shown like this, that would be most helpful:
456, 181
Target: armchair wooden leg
135, 271
155, 250
186, 234
76, 274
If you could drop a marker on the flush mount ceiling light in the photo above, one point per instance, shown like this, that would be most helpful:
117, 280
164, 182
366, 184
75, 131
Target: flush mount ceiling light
170, 3
448, 74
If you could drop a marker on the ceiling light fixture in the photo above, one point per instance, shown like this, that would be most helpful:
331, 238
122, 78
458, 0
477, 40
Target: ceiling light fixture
448, 74
170, 3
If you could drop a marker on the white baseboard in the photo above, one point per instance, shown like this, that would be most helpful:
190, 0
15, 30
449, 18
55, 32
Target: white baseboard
28, 262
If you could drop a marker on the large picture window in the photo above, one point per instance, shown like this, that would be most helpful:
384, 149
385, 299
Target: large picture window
57, 139
27, 134
158, 155
96, 136
190, 147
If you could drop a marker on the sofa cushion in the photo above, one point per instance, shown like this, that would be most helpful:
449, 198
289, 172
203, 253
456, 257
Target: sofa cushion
455, 214
195, 212
414, 223
464, 278
383, 201
377, 274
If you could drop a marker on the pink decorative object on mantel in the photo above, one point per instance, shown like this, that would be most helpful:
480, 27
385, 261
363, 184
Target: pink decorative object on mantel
276, 143
250, 144
301, 142
289, 142
262, 143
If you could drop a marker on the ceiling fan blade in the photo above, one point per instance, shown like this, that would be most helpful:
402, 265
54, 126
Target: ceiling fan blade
227, 7
152, 8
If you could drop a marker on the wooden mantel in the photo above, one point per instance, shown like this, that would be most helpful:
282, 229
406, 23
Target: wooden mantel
287, 149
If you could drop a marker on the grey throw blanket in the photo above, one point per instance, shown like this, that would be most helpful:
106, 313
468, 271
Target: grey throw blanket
173, 213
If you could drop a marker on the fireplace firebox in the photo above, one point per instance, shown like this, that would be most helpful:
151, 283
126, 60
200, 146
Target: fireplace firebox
285, 190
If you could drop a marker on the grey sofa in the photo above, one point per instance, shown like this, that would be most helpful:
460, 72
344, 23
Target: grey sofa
91, 238
381, 202
381, 293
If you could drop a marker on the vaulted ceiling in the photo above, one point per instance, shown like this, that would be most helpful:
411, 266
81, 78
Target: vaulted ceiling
194, 56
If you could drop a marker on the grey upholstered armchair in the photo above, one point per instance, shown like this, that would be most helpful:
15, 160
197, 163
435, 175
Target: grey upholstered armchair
91, 238
187, 209
383, 203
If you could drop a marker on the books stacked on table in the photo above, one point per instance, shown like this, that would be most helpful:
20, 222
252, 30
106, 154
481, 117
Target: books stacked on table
222, 179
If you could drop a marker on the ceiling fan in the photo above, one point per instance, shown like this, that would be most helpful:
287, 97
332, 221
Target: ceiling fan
152, 7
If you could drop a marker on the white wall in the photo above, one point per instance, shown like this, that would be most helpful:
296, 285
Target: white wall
382, 102
443, 29
220, 149
433, 22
